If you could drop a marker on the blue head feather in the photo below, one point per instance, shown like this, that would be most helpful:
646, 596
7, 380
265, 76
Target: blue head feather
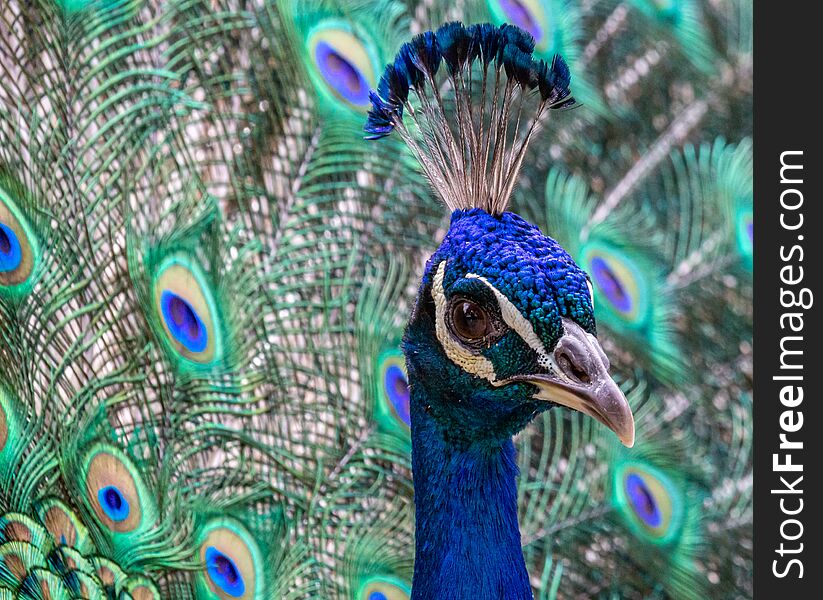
532, 270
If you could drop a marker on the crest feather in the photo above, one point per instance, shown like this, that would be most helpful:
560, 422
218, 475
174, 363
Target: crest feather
469, 128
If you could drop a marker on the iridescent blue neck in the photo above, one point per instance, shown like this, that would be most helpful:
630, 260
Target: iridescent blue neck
467, 534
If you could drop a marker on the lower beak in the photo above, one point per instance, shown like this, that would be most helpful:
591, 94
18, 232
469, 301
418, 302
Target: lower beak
579, 379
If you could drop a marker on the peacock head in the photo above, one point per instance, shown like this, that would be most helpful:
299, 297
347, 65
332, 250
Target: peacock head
504, 329
504, 323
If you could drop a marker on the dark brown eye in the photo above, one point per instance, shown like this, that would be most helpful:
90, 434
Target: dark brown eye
470, 321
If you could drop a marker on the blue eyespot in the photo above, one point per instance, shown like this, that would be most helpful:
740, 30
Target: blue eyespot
651, 503
397, 389
341, 74
533, 16
642, 501
518, 13
343, 63
610, 284
391, 395
624, 279
10, 253
224, 573
183, 322
384, 587
113, 503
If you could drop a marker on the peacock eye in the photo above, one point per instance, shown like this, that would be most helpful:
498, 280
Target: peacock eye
470, 322
187, 310
384, 588
231, 561
18, 246
529, 15
224, 572
343, 63
650, 501
113, 503
115, 490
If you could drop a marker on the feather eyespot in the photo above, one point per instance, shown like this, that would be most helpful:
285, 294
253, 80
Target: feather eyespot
397, 387
393, 395
642, 500
10, 254
15, 527
650, 502
187, 310
620, 283
224, 573
113, 503
107, 572
18, 245
231, 562
114, 490
62, 524
532, 16
342, 63
384, 588
183, 322
141, 588
612, 284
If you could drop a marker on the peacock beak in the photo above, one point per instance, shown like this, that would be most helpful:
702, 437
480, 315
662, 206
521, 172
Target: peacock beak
579, 379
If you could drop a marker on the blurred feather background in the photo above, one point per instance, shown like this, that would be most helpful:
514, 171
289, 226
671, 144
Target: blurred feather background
146, 145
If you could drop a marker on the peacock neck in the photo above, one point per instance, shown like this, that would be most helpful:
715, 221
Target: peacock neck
467, 536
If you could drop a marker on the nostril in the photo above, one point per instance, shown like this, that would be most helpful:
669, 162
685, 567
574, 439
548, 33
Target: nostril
571, 368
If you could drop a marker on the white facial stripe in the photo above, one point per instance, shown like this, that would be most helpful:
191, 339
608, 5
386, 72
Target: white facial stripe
463, 358
515, 319
591, 292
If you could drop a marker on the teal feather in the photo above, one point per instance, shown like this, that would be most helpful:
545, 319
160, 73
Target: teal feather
683, 21
136, 136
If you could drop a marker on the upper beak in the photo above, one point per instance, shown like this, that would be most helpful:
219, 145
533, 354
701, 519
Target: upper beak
579, 379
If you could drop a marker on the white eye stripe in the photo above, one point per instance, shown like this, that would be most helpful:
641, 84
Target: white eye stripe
518, 323
475, 364
591, 292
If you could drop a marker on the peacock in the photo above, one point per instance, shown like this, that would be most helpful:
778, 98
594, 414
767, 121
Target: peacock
239, 338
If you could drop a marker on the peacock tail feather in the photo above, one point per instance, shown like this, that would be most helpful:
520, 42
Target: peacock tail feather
205, 271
